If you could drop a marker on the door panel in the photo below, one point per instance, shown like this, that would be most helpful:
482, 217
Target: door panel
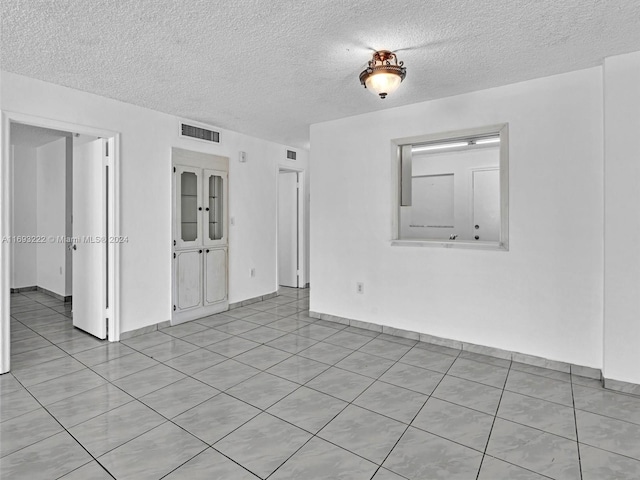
189, 281
287, 229
486, 205
89, 247
188, 206
215, 275
214, 193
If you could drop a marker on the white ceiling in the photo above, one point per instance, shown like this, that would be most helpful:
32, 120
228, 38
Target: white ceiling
272, 68
30, 136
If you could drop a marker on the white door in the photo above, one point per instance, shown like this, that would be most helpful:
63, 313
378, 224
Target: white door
288, 229
89, 249
486, 205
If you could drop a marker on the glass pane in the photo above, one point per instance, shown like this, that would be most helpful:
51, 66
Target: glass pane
215, 207
189, 206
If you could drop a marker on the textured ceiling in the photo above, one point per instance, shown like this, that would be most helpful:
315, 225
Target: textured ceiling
30, 136
270, 69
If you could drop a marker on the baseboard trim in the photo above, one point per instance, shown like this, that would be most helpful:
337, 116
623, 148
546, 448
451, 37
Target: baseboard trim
35, 288
589, 372
152, 328
23, 289
620, 386
62, 298
141, 331
249, 301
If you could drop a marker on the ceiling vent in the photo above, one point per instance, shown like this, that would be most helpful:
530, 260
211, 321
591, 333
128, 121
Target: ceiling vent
291, 155
199, 133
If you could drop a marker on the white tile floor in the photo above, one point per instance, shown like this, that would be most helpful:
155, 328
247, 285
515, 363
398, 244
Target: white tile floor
264, 391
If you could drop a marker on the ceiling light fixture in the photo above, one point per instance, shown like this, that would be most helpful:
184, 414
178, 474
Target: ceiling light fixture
384, 73
458, 144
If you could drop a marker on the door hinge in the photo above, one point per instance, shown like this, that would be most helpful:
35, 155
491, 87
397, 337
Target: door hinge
174, 308
106, 152
107, 322
174, 254
174, 169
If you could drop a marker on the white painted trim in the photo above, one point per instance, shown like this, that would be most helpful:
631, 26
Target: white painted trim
6, 201
301, 220
5, 254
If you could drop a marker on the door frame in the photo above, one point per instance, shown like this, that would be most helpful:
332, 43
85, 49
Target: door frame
6, 204
301, 222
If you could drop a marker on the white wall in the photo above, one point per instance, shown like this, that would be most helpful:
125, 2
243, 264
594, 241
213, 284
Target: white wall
146, 140
51, 215
622, 221
544, 296
24, 256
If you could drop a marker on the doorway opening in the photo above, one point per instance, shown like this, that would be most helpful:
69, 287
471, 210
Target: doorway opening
290, 235
59, 245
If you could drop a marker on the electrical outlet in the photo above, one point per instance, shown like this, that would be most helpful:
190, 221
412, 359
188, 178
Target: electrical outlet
359, 287
243, 157
252, 272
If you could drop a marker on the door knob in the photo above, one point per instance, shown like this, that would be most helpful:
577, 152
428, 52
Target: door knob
75, 247
207, 209
200, 209
477, 237
199, 251
207, 250
477, 227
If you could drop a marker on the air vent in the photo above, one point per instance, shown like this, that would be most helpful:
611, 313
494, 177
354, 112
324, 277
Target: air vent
199, 133
291, 155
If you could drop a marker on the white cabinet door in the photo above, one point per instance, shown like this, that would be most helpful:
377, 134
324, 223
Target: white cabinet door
215, 275
188, 207
214, 218
188, 269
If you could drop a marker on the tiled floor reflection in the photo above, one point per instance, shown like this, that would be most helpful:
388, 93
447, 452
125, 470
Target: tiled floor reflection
265, 391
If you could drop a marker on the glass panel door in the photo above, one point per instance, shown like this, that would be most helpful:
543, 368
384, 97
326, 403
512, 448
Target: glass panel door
215, 219
215, 191
188, 209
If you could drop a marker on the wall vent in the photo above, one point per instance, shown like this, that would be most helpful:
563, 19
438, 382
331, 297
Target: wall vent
199, 133
291, 155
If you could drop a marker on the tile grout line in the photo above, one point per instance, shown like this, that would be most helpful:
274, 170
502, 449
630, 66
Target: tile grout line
417, 413
133, 397
313, 435
348, 404
65, 430
575, 420
495, 415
